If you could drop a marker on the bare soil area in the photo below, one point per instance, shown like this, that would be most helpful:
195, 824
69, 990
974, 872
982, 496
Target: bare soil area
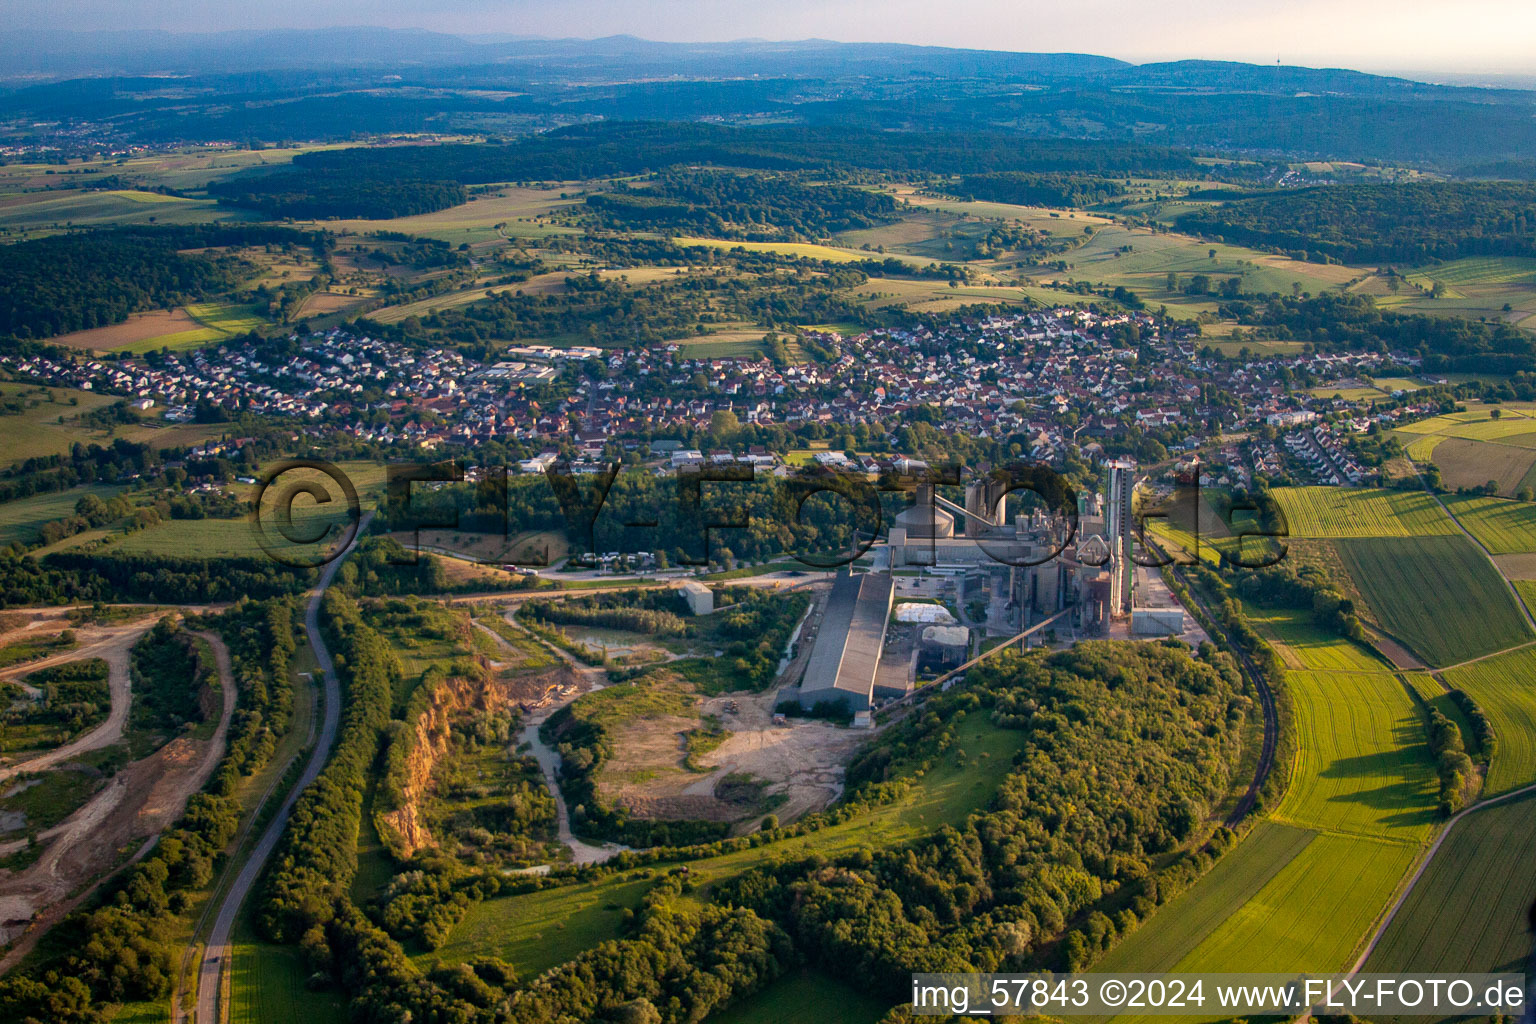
803, 762
138, 327
111, 644
140, 801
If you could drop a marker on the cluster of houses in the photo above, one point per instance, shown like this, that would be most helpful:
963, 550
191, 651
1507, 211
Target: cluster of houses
1325, 455
1052, 381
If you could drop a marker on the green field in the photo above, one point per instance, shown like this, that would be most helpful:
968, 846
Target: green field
1313, 914
1310, 647
1185, 921
1478, 424
802, 998
1475, 286
1468, 911
1144, 268
1505, 688
52, 210
1363, 766
808, 249
543, 929
36, 431
1305, 887
228, 318
21, 520
1503, 527
229, 538
1439, 595
1332, 512
267, 986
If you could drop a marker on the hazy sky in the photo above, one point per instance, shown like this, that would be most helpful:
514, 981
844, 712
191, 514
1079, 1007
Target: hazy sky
1443, 35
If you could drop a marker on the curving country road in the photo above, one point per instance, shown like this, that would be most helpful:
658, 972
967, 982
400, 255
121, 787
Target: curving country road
207, 1002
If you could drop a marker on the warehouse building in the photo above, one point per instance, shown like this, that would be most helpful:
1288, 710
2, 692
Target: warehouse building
846, 658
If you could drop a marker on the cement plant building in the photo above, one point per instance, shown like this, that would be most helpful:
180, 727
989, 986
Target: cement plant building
846, 658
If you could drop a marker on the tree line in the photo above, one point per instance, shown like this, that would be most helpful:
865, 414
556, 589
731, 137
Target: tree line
1410, 223
320, 195
76, 281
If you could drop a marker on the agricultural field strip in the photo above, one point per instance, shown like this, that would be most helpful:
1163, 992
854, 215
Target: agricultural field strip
1505, 688
1514, 590
1337, 512
1441, 596
1299, 901
1426, 861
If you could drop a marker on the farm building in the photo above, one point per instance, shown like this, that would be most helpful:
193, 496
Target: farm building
699, 598
848, 646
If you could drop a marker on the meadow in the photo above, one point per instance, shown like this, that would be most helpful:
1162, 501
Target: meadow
791, 998
21, 520
1503, 527
1151, 257
1505, 688
1333, 512
53, 427
1468, 911
267, 985
540, 930
1474, 286
509, 212
1439, 595
47, 212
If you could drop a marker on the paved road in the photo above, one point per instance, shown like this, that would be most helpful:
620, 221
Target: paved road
216, 957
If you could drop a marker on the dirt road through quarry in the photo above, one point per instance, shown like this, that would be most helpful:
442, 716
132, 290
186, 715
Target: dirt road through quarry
139, 802
111, 644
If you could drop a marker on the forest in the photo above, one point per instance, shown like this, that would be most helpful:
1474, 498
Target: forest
319, 195
1038, 189
749, 207
621, 148
73, 576
1407, 224
73, 282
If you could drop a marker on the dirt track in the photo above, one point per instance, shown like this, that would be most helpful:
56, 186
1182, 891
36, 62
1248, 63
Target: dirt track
138, 803
111, 644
